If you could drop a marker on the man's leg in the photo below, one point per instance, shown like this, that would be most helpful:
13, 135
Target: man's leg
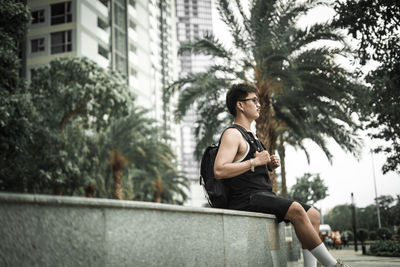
308, 258
307, 234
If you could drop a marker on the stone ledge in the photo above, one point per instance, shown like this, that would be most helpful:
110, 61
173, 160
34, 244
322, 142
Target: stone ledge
41, 230
112, 203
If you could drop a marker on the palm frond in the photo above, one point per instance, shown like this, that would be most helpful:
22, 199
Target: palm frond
238, 32
210, 45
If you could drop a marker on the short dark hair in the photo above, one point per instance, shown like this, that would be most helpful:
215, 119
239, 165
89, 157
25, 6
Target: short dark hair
236, 93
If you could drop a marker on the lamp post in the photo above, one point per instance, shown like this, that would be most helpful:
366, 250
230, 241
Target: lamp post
376, 192
353, 211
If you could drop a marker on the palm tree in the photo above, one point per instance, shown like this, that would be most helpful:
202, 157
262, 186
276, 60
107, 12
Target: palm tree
117, 147
138, 160
303, 92
167, 184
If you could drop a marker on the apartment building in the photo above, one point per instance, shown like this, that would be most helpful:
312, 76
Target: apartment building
194, 18
135, 37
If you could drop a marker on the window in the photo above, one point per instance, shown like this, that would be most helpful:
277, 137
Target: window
121, 64
195, 10
38, 16
103, 51
132, 48
133, 72
102, 24
120, 41
132, 24
132, 2
187, 31
104, 2
119, 15
37, 45
61, 42
61, 13
196, 30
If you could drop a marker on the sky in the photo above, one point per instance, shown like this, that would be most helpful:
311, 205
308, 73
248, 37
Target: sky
346, 174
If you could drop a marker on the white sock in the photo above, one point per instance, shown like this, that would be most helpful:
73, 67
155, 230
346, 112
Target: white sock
323, 255
309, 259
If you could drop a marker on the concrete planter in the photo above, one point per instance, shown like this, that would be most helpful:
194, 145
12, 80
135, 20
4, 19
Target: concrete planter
39, 230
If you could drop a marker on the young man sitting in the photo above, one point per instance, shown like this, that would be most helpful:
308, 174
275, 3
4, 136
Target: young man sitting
244, 168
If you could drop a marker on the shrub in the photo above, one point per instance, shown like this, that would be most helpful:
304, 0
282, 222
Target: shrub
373, 235
386, 248
384, 233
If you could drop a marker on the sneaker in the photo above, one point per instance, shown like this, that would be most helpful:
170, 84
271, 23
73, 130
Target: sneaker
340, 263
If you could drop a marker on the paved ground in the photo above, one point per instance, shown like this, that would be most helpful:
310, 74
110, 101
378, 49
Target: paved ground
356, 259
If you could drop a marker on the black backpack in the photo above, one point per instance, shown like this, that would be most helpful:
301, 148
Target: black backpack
215, 190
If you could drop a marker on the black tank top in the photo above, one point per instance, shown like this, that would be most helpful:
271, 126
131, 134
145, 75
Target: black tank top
243, 185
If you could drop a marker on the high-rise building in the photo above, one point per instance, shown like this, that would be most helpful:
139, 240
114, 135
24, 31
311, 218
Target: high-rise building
194, 18
135, 37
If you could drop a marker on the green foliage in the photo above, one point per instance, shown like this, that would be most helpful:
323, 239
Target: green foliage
309, 188
57, 137
367, 217
373, 235
386, 248
340, 218
13, 19
303, 92
73, 100
75, 116
15, 105
395, 212
375, 25
76, 91
383, 113
149, 159
384, 233
386, 210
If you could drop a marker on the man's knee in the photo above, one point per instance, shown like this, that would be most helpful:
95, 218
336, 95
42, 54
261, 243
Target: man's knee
295, 211
314, 215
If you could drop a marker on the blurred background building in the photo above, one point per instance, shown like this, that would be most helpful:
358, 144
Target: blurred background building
194, 18
135, 37
138, 38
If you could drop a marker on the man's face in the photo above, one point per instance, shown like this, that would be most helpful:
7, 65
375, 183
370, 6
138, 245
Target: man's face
251, 106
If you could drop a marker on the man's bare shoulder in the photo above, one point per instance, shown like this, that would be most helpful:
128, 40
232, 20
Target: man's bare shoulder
232, 135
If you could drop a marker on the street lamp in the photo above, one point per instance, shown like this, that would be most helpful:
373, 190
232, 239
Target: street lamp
376, 193
353, 211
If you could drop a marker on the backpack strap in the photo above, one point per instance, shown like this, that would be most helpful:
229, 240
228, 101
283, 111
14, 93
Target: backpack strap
260, 143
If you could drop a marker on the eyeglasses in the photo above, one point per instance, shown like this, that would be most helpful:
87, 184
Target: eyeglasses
255, 100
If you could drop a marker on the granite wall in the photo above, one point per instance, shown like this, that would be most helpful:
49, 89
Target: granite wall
40, 230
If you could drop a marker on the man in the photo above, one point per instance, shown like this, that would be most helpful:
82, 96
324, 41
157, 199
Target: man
245, 167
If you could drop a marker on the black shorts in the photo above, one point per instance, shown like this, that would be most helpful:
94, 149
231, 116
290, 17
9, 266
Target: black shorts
269, 202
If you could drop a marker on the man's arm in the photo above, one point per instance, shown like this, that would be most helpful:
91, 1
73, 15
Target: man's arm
224, 167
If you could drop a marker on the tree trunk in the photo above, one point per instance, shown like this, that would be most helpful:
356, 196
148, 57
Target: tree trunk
266, 125
159, 188
57, 190
281, 151
89, 190
117, 176
117, 163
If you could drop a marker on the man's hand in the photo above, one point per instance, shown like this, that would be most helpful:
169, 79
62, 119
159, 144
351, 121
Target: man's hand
275, 162
261, 158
